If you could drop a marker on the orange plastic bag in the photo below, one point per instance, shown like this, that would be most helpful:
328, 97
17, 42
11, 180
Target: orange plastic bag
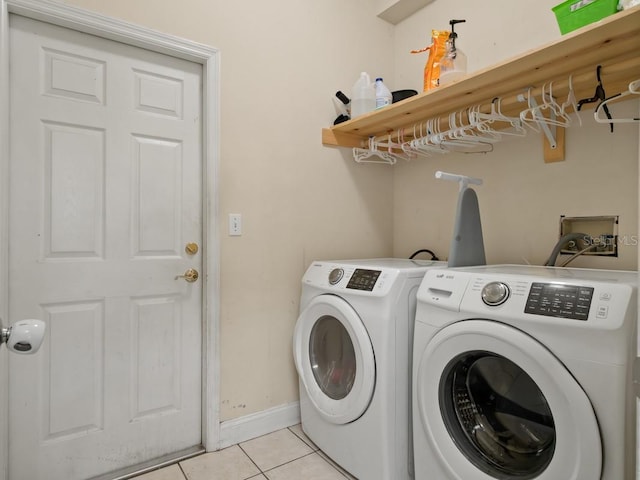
436, 50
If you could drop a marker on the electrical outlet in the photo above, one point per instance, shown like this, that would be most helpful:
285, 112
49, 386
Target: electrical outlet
235, 224
602, 230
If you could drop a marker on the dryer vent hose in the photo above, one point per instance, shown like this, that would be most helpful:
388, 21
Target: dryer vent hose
424, 250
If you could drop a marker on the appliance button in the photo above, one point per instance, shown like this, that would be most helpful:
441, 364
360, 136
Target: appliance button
495, 293
602, 312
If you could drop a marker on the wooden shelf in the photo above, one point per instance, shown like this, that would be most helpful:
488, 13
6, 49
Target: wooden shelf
613, 42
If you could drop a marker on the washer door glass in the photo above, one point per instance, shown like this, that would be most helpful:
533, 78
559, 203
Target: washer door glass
497, 415
491, 402
333, 359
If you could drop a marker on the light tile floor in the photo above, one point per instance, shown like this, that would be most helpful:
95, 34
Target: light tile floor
283, 455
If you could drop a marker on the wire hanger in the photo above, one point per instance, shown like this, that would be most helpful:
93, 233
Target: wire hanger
633, 89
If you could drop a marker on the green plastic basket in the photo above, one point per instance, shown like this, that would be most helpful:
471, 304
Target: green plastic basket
574, 14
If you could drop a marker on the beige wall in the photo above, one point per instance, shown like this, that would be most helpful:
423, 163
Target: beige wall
281, 62
522, 198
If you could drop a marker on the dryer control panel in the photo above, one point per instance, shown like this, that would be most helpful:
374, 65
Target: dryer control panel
559, 300
358, 279
355, 279
363, 279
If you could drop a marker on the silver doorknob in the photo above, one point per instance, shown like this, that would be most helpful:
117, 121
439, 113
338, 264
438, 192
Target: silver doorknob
24, 336
190, 275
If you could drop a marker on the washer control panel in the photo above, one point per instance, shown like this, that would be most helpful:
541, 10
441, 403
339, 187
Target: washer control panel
575, 298
559, 300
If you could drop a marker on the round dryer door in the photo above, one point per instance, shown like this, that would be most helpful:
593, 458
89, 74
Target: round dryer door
496, 404
334, 358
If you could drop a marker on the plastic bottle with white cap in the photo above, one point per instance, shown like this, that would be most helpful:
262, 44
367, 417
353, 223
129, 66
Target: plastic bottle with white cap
383, 94
363, 96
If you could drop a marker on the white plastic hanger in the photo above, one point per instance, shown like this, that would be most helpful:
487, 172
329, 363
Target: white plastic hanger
633, 89
571, 101
557, 116
537, 118
424, 141
409, 146
484, 121
393, 148
460, 137
372, 154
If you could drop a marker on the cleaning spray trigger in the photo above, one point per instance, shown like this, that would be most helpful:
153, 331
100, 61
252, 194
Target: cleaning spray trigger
454, 63
453, 35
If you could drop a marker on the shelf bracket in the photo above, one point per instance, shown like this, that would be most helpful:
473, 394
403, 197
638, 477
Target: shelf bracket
556, 154
553, 135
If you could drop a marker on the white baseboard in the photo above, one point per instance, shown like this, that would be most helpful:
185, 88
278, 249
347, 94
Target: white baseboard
254, 425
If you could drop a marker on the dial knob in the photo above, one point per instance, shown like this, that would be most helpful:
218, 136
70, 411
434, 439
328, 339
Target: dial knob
336, 275
495, 293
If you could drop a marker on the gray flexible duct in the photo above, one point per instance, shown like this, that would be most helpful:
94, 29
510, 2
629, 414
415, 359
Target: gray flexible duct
551, 261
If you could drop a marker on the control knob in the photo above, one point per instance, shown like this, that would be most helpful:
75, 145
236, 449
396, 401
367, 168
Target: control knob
335, 275
495, 293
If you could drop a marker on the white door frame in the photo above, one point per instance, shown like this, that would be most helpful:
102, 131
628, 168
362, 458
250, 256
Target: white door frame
113, 29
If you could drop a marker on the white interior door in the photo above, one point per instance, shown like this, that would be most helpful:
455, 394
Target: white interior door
105, 193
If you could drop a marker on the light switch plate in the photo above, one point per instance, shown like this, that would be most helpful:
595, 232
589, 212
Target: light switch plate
235, 224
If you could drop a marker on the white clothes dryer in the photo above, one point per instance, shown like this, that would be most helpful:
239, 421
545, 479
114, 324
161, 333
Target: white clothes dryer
352, 349
525, 373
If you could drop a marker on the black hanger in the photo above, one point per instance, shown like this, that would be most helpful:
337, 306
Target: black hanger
599, 95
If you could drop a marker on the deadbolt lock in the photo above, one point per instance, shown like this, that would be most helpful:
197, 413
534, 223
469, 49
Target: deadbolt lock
191, 248
190, 275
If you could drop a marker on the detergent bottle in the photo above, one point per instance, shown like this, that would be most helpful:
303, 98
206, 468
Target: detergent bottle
436, 50
454, 61
383, 95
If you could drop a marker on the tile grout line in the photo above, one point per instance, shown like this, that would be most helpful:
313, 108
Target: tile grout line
334, 466
313, 447
290, 461
184, 475
250, 459
263, 472
303, 456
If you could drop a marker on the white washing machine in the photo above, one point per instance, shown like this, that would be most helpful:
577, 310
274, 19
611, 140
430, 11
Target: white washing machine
352, 349
525, 373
